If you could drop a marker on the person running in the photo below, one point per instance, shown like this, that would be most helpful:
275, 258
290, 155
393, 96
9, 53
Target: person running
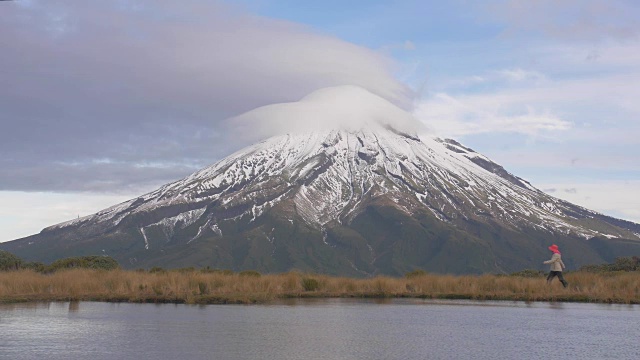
556, 266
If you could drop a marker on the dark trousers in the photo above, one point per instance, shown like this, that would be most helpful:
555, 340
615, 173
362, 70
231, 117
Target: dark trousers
559, 275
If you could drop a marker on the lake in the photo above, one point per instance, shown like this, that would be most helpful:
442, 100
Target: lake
321, 329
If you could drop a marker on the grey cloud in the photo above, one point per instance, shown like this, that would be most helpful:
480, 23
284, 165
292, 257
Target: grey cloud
550, 190
571, 190
95, 177
151, 82
593, 55
587, 20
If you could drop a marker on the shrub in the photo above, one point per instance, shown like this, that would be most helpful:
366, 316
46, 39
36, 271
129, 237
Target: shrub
208, 270
621, 264
102, 262
626, 264
203, 288
415, 273
8, 261
528, 273
157, 269
593, 268
310, 284
251, 273
35, 266
85, 262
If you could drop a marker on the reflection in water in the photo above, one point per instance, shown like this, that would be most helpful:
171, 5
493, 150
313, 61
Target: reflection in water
556, 305
319, 329
74, 306
383, 301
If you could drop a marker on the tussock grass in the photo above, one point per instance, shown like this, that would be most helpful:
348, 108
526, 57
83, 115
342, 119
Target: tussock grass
196, 287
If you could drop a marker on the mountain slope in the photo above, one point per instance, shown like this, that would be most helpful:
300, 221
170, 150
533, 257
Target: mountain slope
367, 199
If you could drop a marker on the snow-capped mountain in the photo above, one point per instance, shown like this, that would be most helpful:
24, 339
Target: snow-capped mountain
372, 197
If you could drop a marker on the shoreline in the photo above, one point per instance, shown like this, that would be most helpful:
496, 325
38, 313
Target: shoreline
262, 300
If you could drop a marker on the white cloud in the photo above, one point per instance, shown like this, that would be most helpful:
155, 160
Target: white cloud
474, 114
409, 45
614, 198
503, 78
517, 74
26, 213
325, 109
600, 96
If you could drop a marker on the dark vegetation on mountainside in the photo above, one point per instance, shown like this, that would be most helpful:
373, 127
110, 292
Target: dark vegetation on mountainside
381, 240
9, 261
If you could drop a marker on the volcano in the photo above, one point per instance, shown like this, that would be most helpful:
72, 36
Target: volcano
360, 200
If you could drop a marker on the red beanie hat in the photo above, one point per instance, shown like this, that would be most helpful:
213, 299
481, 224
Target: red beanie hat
554, 248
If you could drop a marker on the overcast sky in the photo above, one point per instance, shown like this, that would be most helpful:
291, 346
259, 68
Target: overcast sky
101, 101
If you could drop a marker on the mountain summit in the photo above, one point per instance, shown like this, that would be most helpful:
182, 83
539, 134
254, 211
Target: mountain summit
364, 199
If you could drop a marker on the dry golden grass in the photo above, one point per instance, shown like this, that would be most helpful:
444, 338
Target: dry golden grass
197, 287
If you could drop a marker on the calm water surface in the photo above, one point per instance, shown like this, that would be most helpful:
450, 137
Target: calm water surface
321, 329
